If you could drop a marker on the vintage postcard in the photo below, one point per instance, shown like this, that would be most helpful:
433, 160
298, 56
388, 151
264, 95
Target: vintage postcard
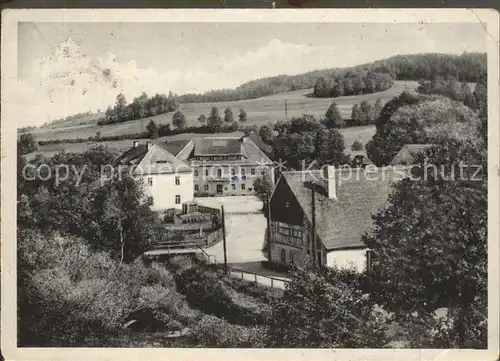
250, 184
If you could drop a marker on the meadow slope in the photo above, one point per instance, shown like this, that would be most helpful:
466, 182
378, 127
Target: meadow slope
259, 111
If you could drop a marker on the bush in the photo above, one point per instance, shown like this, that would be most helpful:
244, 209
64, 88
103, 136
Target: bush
214, 332
204, 290
68, 293
357, 145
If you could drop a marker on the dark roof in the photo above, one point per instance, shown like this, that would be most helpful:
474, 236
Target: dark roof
217, 146
133, 156
341, 222
174, 147
408, 153
224, 146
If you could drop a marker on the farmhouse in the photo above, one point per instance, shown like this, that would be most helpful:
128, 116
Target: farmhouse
168, 181
407, 154
333, 207
224, 165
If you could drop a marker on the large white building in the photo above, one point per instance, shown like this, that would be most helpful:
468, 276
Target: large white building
168, 181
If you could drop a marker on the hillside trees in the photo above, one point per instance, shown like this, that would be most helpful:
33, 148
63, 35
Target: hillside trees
152, 129
352, 83
141, 107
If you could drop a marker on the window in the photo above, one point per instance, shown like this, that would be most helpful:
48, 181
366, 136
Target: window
243, 187
283, 256
177, 180
219, 173
233, 172
177, 199
206, 172
196, 173
291, 257
233, 186
206, 187
150, 181
252, 171
196, 187
288, 204
243, 172
150, 201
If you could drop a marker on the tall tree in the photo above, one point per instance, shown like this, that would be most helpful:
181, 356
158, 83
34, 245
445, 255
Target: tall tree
228, 115
242, 115
377, 108
152, 129
202, 119
329, 147
214, 121
321, 88
179, 120
333, 118
356, 115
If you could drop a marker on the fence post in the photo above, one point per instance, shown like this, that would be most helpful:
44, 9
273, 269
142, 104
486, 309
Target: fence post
255, 277
272, 279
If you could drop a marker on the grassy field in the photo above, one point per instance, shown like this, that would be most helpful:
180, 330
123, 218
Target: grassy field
259, 111
362, 133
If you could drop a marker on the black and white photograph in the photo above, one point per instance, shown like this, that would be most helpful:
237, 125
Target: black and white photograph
250, 181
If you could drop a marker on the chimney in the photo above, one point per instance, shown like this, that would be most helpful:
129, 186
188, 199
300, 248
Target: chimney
331, 184
148, 145
136, 143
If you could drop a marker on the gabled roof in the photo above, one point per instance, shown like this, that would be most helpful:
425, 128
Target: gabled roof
156, 160
217, 146
223, 146
341, 222
175, 146
408, 153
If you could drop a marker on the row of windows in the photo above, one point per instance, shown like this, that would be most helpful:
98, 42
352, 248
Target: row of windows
177, 181
233, 187
291, 256
230, 157
233, 172
177, 200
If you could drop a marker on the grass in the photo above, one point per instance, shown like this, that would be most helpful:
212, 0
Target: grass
259, 111
361, 133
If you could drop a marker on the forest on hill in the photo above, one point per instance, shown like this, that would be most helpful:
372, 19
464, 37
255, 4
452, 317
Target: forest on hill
467, 67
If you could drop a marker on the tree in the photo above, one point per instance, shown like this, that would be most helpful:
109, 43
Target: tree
366, 111
356, 115
242, 116
333, 118
329, 147
214, 122
27, 143
121, 107
179, 120
432, 221
377, 109
263, 187
357, 145
321, 89
323, 310
202, 119
228, 115
266, 133
152, 129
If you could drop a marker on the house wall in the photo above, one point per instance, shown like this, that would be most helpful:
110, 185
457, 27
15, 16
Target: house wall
347, 258
164, 190
204, 184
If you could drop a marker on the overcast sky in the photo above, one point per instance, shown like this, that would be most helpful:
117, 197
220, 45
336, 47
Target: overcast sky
60, 64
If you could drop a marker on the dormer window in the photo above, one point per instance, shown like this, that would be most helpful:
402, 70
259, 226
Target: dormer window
288, 204
177, 180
